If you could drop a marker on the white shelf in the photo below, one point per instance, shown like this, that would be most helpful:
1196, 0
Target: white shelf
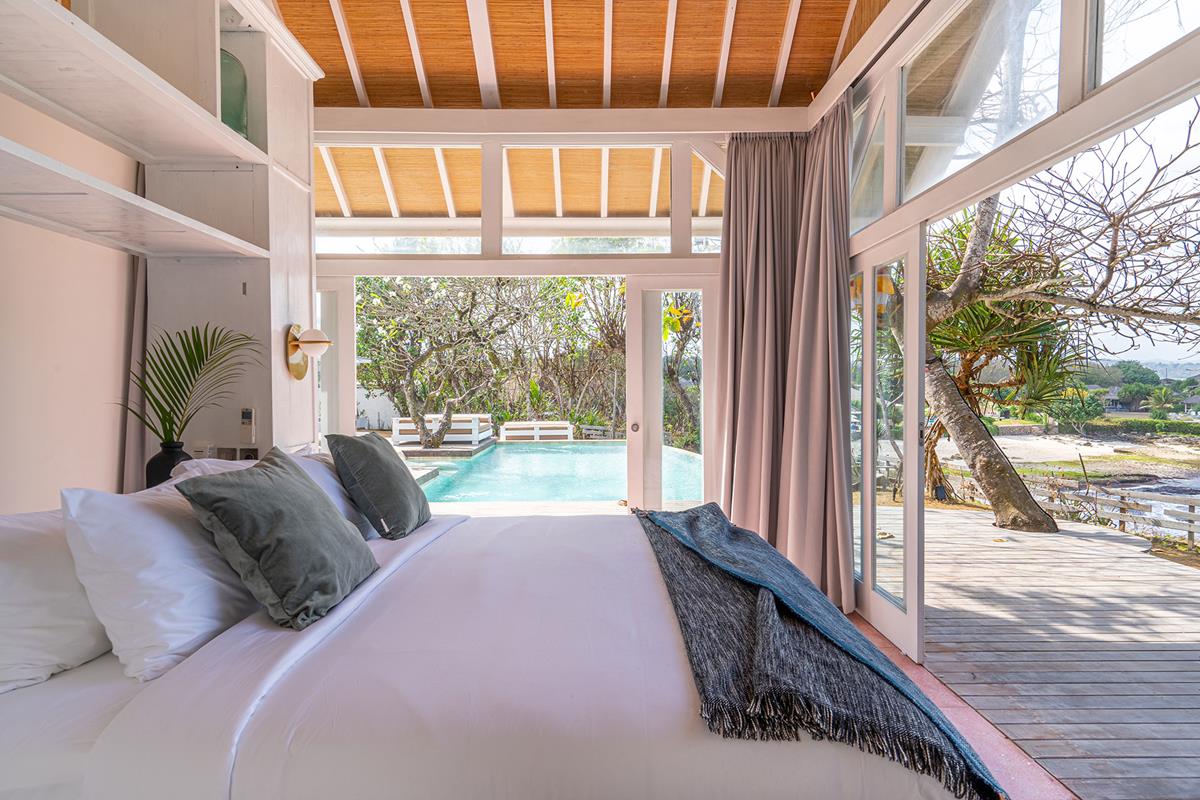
37, 189
52, 60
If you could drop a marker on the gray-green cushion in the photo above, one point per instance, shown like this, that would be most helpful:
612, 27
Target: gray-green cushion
379, 483
296, 553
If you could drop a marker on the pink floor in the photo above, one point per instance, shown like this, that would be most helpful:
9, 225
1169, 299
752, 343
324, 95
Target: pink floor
1019, 774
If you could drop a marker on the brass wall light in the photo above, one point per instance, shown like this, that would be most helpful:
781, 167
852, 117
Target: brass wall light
303, 346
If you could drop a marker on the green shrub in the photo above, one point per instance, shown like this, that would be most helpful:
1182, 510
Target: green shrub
990, 424
1144, 426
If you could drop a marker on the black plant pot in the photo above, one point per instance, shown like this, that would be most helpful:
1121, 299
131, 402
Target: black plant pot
158, 468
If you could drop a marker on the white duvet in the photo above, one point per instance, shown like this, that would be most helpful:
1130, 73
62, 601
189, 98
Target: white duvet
521, 658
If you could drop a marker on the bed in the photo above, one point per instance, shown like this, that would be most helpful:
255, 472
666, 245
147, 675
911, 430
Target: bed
519, 657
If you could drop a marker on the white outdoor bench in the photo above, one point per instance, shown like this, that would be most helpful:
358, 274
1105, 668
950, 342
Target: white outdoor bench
538, 431
464, 428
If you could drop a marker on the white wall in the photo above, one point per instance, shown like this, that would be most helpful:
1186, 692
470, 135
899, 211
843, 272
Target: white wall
64, 310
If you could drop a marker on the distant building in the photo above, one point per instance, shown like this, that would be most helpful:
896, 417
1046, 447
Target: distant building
1112, 400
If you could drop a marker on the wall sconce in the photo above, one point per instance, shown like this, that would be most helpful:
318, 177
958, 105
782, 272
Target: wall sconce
303, 346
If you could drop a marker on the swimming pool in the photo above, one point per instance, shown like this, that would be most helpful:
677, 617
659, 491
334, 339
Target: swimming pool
555, 471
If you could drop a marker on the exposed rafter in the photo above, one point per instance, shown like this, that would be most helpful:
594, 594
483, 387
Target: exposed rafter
551, 78
558, 194
726, 41
509, 207
440, 158
606, 99
485, 61
785, 51
841, 45
668, 47
603, 182
343, 31
339, 190
415, 47
711, 154
705, 185
656, 170
386, 176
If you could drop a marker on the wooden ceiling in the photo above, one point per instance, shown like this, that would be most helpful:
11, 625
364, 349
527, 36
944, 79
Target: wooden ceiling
555, 54
399, 44
586, 186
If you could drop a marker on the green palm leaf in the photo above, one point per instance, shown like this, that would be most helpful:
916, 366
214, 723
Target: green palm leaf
184, 374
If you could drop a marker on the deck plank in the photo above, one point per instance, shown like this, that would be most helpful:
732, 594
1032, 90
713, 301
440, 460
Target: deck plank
1080, 646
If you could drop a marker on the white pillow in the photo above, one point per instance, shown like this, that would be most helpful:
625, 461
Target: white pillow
46, 623
207, 466
153, 575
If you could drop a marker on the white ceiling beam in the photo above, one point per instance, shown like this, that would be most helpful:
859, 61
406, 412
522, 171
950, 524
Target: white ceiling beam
726, 41
551, 77
656, 170
385, 175
414, 47
603, 182
462, 126
440, 158
509, 208
606, 100
668, 46
466, 226
785, 51
558, 204
343, 31
705, 185
485, 61
336, 179
841, 45
711, 154
518, 266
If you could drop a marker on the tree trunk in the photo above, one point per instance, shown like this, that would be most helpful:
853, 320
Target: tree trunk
1007, 494
416, 412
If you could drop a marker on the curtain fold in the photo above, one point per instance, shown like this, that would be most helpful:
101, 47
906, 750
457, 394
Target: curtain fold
133, 451
783, 355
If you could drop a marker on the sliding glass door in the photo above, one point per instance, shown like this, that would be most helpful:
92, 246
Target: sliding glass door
669, 390
886, 400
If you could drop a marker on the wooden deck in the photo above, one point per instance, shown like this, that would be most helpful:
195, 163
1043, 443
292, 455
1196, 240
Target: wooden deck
1079, 646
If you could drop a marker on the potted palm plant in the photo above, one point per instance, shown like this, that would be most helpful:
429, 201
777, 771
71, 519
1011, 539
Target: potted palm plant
181, 376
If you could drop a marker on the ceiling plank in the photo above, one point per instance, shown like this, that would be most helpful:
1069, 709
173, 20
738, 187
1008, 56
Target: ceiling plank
343, 31
313, 25
668, 46
444, 30
548, 23
817, 31
485, 61
723, 63
386, 176
656, 170
604, 176
383, 54
696, 53
581, 181
518, 37
638, 31
338, 190
418, 187
785, 51
579, 53
447, 192
606, 95
837, 54
532, 181
754, 52
414, 47
325, 201
464, 168
358, 171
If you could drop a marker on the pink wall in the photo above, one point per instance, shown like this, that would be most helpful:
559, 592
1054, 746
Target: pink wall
64, 307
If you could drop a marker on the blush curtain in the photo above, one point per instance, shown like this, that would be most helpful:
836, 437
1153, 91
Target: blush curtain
133, 451
783, 360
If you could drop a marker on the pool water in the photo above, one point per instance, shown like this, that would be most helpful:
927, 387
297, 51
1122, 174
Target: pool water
555, 471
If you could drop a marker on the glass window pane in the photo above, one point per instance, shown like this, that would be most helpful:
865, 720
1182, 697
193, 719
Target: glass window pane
708, 204
1133, 30
990, 74
889, 431
866, 169
682, 360
856, 437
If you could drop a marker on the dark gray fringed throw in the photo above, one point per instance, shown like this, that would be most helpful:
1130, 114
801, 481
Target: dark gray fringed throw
774, 659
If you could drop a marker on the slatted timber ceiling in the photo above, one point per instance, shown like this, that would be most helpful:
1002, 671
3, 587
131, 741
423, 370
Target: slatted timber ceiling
419, 192
552, 53
377, 35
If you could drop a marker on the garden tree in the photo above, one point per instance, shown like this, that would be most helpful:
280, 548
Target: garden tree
429, 344
1107, 240
1136, 372
1076, 408
681, 357
1133, 394
1161, 402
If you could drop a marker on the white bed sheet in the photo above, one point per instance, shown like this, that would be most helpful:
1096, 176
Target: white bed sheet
531, 658
48, 729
